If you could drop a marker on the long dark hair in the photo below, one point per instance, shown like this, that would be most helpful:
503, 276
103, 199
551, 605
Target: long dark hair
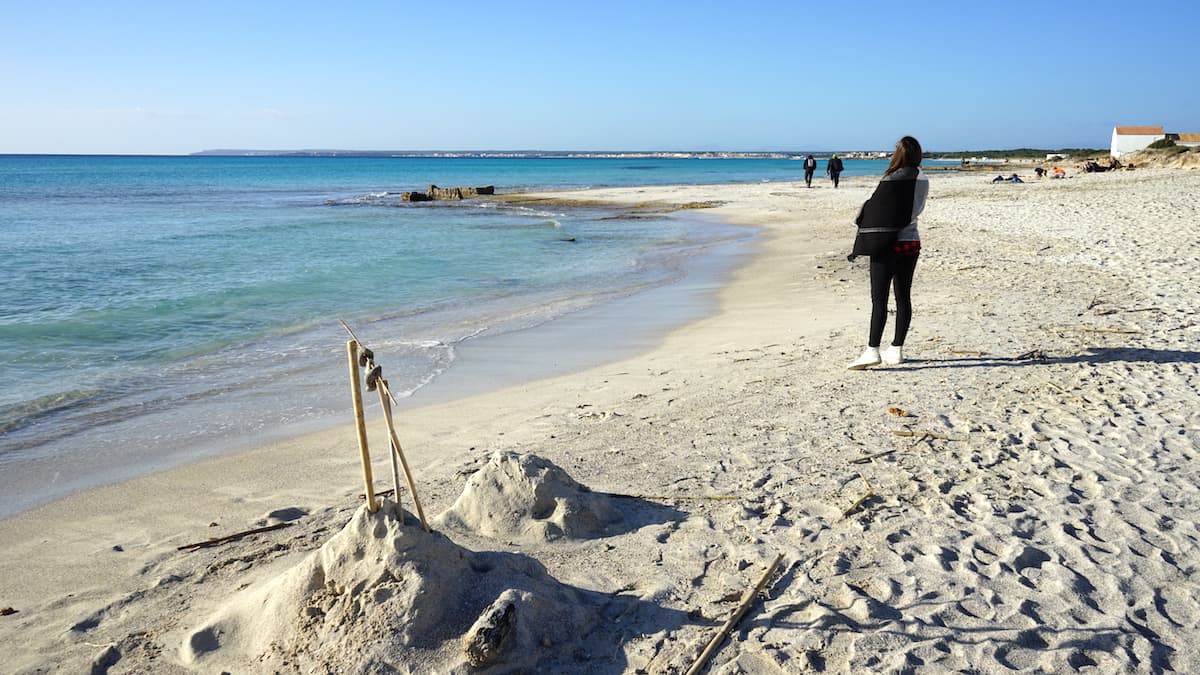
908, 153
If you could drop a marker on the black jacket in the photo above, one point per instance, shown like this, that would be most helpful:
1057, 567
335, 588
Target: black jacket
891, 208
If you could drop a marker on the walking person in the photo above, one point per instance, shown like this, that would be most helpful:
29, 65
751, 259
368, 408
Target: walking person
810, 167
887, 232
834, 168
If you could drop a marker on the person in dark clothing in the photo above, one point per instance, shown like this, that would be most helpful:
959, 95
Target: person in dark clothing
834, 168
810, 167
898, 200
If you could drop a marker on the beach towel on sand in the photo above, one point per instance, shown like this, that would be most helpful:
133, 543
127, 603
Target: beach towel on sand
889, 210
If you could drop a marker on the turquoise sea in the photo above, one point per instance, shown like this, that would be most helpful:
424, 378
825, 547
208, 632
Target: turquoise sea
154, 310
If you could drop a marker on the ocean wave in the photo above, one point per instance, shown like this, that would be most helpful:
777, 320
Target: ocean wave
410, 364
16, 416
448, 356
368, 199
536, 213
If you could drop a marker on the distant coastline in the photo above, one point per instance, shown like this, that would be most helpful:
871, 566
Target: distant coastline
632, 154
508, 154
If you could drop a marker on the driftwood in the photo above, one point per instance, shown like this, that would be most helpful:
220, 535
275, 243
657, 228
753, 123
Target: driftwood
923, 435
360, 425
375, 382
861, 500
747, 600
380, 494
232, 537
398, 451
868, 458
1032, 355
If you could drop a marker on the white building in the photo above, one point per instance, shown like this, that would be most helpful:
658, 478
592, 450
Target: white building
1190, 140
1131, 139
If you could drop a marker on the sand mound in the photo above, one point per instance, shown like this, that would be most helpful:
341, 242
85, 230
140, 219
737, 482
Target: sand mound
524, 497
1164, 160
383, 595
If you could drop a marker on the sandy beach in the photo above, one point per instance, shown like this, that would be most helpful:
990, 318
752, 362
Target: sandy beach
1020, 495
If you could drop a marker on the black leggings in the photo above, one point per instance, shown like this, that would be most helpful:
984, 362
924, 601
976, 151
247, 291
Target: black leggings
897, 271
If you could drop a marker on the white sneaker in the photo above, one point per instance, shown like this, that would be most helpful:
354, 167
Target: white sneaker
892, 355
869, 358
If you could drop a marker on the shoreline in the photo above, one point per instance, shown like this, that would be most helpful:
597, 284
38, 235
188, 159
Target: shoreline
1039, 514
109, 465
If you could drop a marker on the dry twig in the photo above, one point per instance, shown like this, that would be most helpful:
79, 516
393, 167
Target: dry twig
861, 500
232, 537
868, 458
747, 599
923, 435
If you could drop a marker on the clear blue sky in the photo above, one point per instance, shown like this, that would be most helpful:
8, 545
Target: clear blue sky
176, 77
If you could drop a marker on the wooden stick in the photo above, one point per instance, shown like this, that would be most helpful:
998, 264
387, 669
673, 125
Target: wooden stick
860, 502
361, 425
381, 494
397, 451
908, 433
868, 458
231, 537
747, 599
383, 402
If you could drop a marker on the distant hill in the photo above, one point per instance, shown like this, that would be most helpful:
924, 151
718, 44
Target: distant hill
1019, 153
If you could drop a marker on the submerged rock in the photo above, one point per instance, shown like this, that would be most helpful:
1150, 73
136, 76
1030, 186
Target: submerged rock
435, 193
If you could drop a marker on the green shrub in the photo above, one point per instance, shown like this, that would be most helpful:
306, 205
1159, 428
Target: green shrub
1161, 144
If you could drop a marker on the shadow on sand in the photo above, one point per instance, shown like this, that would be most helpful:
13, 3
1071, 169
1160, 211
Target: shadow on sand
1093, 355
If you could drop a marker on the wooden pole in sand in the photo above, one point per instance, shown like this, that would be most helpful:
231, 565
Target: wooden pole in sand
381, 384
361, 425
395, 463
397, 451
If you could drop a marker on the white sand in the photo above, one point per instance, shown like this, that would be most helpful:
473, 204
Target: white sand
1040, 513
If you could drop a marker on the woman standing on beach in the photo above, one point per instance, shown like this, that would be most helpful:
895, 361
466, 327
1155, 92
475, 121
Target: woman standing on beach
893, 207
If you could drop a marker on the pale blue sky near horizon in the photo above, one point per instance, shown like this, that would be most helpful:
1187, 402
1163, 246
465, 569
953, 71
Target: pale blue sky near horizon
175, 78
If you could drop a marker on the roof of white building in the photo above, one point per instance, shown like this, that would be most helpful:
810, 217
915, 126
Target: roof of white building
1139, 131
